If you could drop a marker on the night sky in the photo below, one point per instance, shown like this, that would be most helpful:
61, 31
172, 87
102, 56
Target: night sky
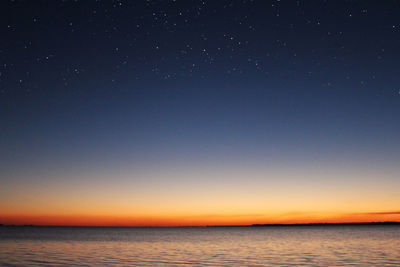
194, 112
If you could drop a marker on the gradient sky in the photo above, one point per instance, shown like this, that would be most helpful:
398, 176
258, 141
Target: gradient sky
194, 112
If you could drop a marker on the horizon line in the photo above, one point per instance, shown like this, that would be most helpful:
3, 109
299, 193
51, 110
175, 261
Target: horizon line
193, 226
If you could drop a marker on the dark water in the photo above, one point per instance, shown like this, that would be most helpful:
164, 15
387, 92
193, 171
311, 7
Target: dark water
244, 246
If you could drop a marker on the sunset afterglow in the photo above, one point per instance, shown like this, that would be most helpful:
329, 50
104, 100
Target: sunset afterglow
193, 113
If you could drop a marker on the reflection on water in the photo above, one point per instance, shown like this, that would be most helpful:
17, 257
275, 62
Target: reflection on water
225, 246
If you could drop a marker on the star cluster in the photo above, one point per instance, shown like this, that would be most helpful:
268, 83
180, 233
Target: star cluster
67, 44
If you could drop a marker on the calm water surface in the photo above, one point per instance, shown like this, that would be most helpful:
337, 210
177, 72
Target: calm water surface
225, 246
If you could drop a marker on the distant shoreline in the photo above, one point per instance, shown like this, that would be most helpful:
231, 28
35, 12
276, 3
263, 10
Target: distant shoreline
210, 226
329, 224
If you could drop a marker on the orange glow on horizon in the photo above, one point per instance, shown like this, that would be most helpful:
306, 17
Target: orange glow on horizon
201, 220
199, 197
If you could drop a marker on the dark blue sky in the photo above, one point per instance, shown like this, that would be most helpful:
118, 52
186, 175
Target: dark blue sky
103, 84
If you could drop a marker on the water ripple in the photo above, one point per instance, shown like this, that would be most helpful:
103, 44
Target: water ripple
295, 246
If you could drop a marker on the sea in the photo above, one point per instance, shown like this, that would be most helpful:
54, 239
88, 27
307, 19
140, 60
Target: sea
370, 245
